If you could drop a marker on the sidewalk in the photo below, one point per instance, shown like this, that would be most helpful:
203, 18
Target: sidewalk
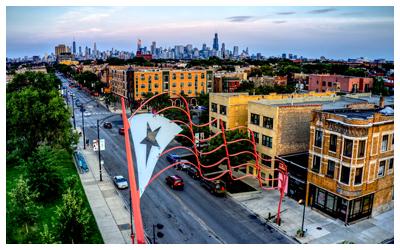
109, 210
330, 231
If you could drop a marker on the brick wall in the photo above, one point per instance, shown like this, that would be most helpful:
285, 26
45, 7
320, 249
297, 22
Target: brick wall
294, 128
363, 105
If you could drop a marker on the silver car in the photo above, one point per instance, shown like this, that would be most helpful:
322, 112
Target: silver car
120, 182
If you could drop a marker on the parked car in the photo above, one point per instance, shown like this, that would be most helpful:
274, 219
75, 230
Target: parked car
183, 165
193, 172
215, 186
121, 131
78, 104
120, 182
107, 125
86, 113
172, 158
174, 181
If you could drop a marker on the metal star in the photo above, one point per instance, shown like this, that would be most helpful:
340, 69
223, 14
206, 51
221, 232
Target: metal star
150, 140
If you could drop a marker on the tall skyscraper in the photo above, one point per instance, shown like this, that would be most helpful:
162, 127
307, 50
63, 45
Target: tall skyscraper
80, 49
74, 46
284, 56
223, 50
86, 51
153, 48
139, 44
215, 44
94, 49
235, 50
61, 49
204, 46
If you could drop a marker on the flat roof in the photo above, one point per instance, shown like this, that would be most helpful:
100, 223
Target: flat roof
298, 158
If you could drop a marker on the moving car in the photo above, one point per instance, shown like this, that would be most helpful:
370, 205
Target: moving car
121, 131
107, 125
172, 158
120, 182
78, 104
86, 113
215, 186
174, 181
193, 172
183, 165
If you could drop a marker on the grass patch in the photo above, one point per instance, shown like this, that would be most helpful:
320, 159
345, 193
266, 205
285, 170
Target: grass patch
17, 233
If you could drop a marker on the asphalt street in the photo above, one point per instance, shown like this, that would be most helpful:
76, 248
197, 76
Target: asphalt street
191, 215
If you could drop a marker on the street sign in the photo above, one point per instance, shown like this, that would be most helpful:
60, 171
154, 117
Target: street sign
102, 144
95, 145
197, 135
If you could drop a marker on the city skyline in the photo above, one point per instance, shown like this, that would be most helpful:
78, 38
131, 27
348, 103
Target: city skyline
336, 32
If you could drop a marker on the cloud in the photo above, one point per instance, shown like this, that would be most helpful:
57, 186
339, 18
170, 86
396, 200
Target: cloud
240, 18
352, 14
279, 21
285, 13
322, 11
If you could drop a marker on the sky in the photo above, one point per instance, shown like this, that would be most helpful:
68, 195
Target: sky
336, 32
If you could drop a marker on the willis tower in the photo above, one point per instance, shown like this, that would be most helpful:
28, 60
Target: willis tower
215, 45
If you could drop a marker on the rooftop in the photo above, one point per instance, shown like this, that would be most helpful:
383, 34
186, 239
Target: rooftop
364, 114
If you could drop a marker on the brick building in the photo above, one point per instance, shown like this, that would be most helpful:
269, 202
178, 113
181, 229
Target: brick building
351, 158
322, 83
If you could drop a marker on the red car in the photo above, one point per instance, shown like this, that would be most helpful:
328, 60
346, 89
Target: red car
174, 181
121, 131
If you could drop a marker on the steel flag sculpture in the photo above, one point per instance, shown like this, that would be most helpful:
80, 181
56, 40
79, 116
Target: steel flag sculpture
165, 131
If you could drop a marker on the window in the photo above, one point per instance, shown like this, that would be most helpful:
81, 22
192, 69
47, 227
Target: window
189, 84
318, 138
256, 137
182, 76
385, 140
174, 84
149, 79
182, 84
189, 91
142, 94
141, 77
316, 163
331, 169
214, 124
149, 86
381, 171
391, 163
156, 93
156, 77
266, 157
137, 79
323, 83
263, 176
156, 85
268, 122
142, 86
214, 107
182, 92
173, 76
202, 84
166, 86
267, 141
348, 148
224, 125
317, 82
202, 75
333, 143
358, 177
165, 78
345, 175
189, 76
366, 87
251, 170
255, 119
361, 149
329, 84
222, 109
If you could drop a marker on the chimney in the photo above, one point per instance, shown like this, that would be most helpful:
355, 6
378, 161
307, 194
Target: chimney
382, 102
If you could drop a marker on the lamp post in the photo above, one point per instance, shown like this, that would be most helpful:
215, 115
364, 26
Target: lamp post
73, 108
301, 201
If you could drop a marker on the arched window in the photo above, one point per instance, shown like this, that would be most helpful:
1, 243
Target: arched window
173, 76
182, 76
202, 75
142, 77
156, 77
189, 76
149, 77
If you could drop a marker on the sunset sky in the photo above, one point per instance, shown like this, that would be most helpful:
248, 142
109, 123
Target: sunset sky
337, 32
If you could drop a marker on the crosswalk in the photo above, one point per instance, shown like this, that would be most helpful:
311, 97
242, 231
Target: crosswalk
95, 113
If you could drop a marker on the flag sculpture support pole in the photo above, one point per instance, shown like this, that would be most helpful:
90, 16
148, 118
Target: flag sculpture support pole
132, 182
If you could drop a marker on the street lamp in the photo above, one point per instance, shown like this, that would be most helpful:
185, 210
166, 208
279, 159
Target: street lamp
301, 201
159, 233
83, 124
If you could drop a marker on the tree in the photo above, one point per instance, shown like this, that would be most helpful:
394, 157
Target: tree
354, 72
22, 208
34, 116
379, 87
73, 218
245, 86
41, 171
186, 131
46, 82
204, 100
233, 148
267, 70
48, 237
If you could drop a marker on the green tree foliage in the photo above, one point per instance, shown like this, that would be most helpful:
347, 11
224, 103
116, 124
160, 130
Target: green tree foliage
35, 115
186, 131
267, 70
245, 86
22, 208
86, 79
379, 87
65, 69
204, 100
233, 148
40, 80
354, 72
73, 218
339, 69
48, 237
255, 72
41, 171
176, 114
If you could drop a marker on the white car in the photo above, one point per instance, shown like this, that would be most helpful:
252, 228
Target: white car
86, 113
